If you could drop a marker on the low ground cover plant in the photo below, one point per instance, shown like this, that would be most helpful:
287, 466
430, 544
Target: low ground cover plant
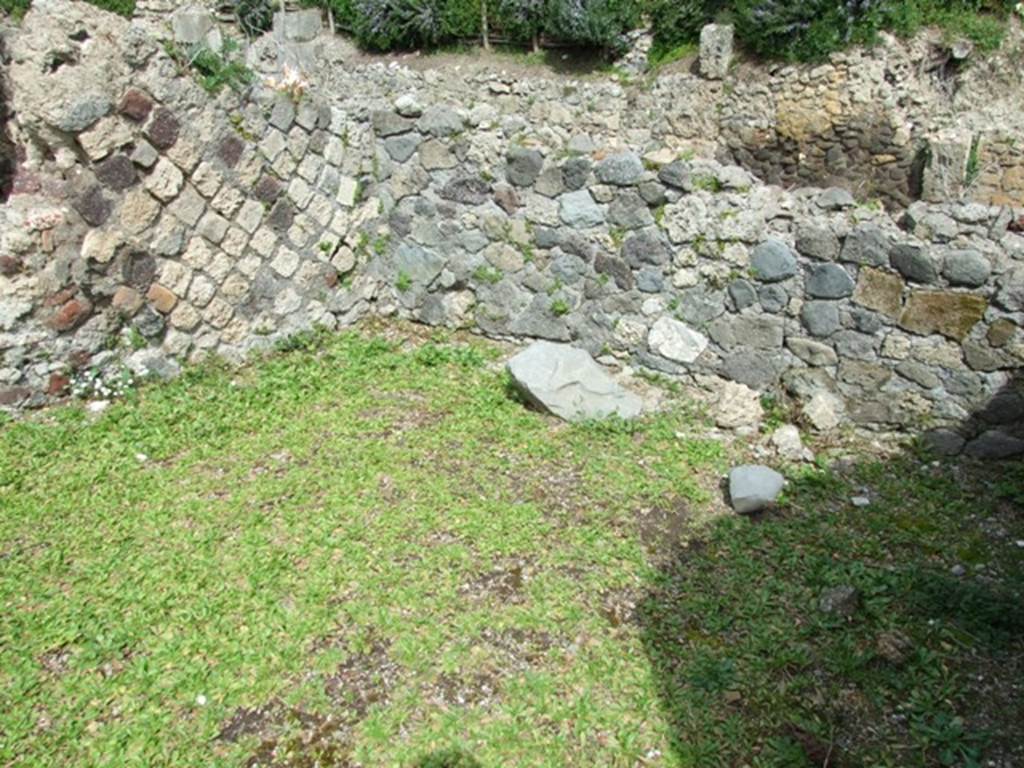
365, 549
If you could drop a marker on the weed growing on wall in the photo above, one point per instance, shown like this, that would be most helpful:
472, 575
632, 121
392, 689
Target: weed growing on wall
214, 70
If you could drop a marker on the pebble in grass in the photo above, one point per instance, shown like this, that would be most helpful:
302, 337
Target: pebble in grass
753, 487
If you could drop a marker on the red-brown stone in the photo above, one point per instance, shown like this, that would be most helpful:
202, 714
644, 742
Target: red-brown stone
10, 265
162, 130
230, 150
26, 183
116, 172
58, 384
60, 297
79, 359
93, 206
72, 314
135, 105
267, 190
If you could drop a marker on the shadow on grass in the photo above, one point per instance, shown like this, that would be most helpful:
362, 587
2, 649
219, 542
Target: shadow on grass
920, 661
448, 758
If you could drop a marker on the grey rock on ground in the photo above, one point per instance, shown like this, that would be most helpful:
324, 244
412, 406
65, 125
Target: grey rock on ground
839, 601
753, 487
567, 382
786, 441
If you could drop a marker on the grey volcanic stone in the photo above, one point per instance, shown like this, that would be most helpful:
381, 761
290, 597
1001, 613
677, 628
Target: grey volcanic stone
944, 442
440, 120
700, 305
550, 182
469, 190
914, 263
839, 601
867, 245
645, 247
388, 123
835, 199
828, 281
773, 261
420, 265
994, 445
821, 318
81, 114
650, 280
575, 173
753, 487
676, 175
579, 210
629, 211
622, 169
566, 382
616, 269
653, 193
817, 241
812, 352
773, 298
757, 369
968, 268
524, 166
401, 148
152, 363
743, 294
283, 114
538, 321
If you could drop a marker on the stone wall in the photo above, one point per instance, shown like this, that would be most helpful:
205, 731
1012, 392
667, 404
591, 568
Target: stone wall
1000, 168
153, 224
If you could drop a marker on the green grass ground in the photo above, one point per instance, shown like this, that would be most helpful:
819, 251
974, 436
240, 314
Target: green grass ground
366, 552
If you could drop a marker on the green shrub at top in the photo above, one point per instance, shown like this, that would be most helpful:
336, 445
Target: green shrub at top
809, 30
399, 24
519, 21
592, 23
803, 30
341, 11
983, 22
15, 8
677, 23
254, 16
461, 18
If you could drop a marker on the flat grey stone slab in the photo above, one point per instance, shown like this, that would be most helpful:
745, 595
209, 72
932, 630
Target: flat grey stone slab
753, 487
567, 382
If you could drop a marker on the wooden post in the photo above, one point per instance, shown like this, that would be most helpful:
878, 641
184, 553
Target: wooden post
485, 31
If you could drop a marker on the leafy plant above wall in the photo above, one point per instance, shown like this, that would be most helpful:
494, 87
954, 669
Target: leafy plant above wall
809, 30
254, 16
214, 69
18, 8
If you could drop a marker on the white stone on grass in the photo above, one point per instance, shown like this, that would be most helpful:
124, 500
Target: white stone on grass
753, 487
566, 382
